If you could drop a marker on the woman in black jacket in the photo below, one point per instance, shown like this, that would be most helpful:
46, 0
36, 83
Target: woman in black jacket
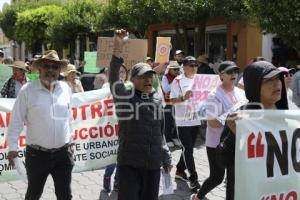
265, 89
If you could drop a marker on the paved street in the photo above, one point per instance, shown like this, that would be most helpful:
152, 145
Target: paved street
88, 185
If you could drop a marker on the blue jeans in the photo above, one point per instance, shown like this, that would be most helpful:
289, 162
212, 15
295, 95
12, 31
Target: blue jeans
109, 170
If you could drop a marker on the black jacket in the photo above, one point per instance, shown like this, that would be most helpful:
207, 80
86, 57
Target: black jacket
253, 77
141, 141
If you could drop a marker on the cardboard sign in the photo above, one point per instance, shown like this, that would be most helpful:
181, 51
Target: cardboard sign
134, 51
163, 47
90, 59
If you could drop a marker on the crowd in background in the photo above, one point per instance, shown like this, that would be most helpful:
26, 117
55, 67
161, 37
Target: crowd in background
274, 88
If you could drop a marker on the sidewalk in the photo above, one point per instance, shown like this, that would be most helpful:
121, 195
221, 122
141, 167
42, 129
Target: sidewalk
88, 185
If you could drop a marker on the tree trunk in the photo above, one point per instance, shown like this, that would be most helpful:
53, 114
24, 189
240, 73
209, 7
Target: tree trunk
181, 38
202, 36
199, 38
185, 40
179, 43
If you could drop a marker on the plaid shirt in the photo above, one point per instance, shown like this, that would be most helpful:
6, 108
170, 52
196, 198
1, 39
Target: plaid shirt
8, 89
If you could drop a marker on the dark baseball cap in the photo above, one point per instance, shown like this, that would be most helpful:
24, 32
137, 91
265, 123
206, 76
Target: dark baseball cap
227, 66
141, 69
269, 69
188, 60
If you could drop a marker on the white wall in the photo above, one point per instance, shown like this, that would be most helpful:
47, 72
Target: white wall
267, 46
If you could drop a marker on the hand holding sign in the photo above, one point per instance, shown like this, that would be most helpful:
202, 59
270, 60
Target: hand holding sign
188, 95
231, 118
11, 156
120, 38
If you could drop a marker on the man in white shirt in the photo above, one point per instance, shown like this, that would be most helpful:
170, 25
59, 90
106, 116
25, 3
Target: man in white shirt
44, 107
187, 120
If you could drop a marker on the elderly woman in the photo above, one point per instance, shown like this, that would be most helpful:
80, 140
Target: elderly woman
223, 100
70, 78
13, 85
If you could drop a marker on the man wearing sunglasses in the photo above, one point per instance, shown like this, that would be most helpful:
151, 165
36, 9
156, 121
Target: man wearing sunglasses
187, 120
44, 106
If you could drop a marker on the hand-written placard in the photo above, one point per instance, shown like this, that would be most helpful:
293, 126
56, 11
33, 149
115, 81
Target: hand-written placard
134, 51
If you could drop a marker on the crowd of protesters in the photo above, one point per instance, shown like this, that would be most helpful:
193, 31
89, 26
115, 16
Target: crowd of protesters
145, 140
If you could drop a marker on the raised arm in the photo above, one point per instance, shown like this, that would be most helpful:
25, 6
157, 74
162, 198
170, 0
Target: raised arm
117, 87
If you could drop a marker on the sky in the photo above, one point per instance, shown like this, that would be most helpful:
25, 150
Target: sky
3, 2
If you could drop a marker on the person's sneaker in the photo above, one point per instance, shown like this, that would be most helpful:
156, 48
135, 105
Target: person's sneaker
106, 184
170, 144
181, 176
177, 142
194, 185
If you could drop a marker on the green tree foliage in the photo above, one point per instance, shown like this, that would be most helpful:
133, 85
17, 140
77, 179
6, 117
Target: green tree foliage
8, 16
31, 25
134, 15
277, 16
78, 18
111, 17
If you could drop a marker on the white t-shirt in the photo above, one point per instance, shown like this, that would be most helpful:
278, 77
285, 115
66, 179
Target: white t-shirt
291, 104
187, 112
218, 105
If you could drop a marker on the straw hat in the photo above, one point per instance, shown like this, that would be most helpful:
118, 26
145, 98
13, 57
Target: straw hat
70, 68
203, 59
19, 65
173, 65
50, 55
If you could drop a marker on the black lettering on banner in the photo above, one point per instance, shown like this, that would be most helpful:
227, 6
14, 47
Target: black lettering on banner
5, 167
80, 157
100, 144
296, 136
77, 147
274, 150
102, 154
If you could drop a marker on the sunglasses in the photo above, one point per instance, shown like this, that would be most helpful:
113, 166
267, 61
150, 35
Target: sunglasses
233, 71
288, 75
193, 65
52, 66
176, 69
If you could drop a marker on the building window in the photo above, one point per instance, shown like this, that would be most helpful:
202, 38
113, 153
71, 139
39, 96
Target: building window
215, 42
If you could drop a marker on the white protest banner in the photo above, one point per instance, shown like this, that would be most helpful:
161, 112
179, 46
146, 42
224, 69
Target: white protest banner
95, 131
267, 156
163, 47
134, 51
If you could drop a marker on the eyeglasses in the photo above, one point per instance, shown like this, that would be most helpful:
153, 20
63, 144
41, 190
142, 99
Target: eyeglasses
52, 66
233, 71
288, 75
193, 65
176, 69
